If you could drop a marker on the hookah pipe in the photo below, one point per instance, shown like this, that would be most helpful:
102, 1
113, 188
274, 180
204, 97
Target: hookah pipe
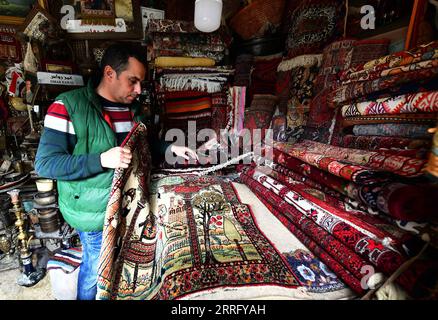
30, 275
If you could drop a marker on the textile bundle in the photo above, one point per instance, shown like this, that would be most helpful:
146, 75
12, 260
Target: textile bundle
390, 71
10, 47
167, 62
189, 45
408, 103
180, 107
363, 249
346, 187
417, 119
331, 208
186, 101
192, 93
351, 172
186, 78
342, 207
318, 247
401, 130
368, 250
357, 123
396, 164
356, 195
351, 91
371, 142
211, 80
412, 87
358, 175
317, 175
367, 76
422, 53
174, 43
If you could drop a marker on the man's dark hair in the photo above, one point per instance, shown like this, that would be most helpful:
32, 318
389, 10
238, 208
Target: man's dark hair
117, 55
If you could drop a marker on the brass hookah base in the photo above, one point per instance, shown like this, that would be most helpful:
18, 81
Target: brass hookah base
30, 275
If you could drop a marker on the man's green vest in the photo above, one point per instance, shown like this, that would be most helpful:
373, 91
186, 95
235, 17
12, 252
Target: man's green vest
83, 202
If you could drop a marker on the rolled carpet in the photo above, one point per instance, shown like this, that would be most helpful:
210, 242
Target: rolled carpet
408, 202
168, 62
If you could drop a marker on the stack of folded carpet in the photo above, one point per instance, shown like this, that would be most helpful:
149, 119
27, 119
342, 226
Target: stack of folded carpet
382, 182
191, 96
348, 204
192, 91
173, 38
391, 99
387, 74
180, 106
352, 183
194, 94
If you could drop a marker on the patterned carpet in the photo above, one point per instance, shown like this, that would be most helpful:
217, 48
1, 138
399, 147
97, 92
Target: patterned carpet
198, 238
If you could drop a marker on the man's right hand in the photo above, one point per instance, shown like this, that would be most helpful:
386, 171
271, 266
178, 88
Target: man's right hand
117, 157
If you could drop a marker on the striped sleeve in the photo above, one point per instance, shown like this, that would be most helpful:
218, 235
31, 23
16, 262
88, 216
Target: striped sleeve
58, 119
54, 158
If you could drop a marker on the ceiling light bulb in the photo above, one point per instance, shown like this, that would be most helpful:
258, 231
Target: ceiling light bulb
208, 15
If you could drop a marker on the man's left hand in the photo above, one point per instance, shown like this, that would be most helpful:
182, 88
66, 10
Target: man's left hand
184, 152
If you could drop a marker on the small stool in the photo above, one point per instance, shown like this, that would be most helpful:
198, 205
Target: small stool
63, 269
